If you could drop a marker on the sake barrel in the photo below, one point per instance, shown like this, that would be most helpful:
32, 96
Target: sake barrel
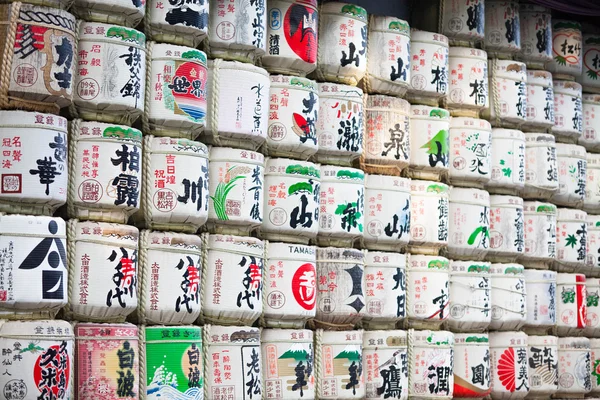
236, 190
178, 23
103, 274
174, 364
541, 300
293, 110
175, 193
340, 124
510, 378
288, 363
293, 33
176, 91
592, 259
291, 207
428, 67
571, 240
568, 118
574, 367
342, 50
507, 228
470, 152
44, 164
388, 60
566, 48
590, 68
428, 216
237, 30
169, 275
591, 202
38, 73
542, 362
387, 146
430, 364
427, 291
590, 138
62, 4
469, 296
469, 223
290, 285
99, 346
110, 82
118, 12
508, 97
468, 92
339, 362
502, 27
508, 161
429, 142
33, 281
509, 294
571, 304
471, 365
237, 112
540, 101
536, 35
387, 212
572, 171
33, 351
385, 360
104, 188
540, 234
385, 281
592, 321
236, 362
463, 21
238, 299
342, 206
541, 167
340, 287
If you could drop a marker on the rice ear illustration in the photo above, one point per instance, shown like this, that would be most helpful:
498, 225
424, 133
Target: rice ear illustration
230, 179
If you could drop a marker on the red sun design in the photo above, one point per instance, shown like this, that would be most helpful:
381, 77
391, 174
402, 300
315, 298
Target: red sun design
506, 369
300, 29
52, 371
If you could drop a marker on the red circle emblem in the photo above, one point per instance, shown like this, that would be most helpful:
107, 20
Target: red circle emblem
304, 286
300, 29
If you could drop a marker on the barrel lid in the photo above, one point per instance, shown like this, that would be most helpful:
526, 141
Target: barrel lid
429, 263
570, 215
333, 254
507, 339
417, 35
385, 259
339, 91
560, 24
542, 340
238, 244
513, 134
330, 173
592, 282
591, 38
533, 8
418, 111
593, 222
29, 225
285, 166
287, 335
228, 335
349, 10
38, 15
570, 150
569, 88
540, 275
291, 251
417, 186
469, 196
589, 98
430, 338
171, 334
236, 155
573, 343
96, 31
468, 52
537, 77
546, 139
293, 83
387, 103
173, 241
471, 339
107, 233
538, 207
384, 339
26, 119
469, 267
570, 279
509, 69
237, 66
175, 52
507, 269
344, 337
470, 123
178, 146
389, 25
97, 331
41, 329
102, 130
498, 200
391, 183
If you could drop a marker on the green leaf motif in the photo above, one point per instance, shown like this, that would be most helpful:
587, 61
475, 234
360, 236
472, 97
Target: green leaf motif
592, 74
507, 172
560, 60
442, 138
595, 371
571, 241
220, 197
300, 187
572, 169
